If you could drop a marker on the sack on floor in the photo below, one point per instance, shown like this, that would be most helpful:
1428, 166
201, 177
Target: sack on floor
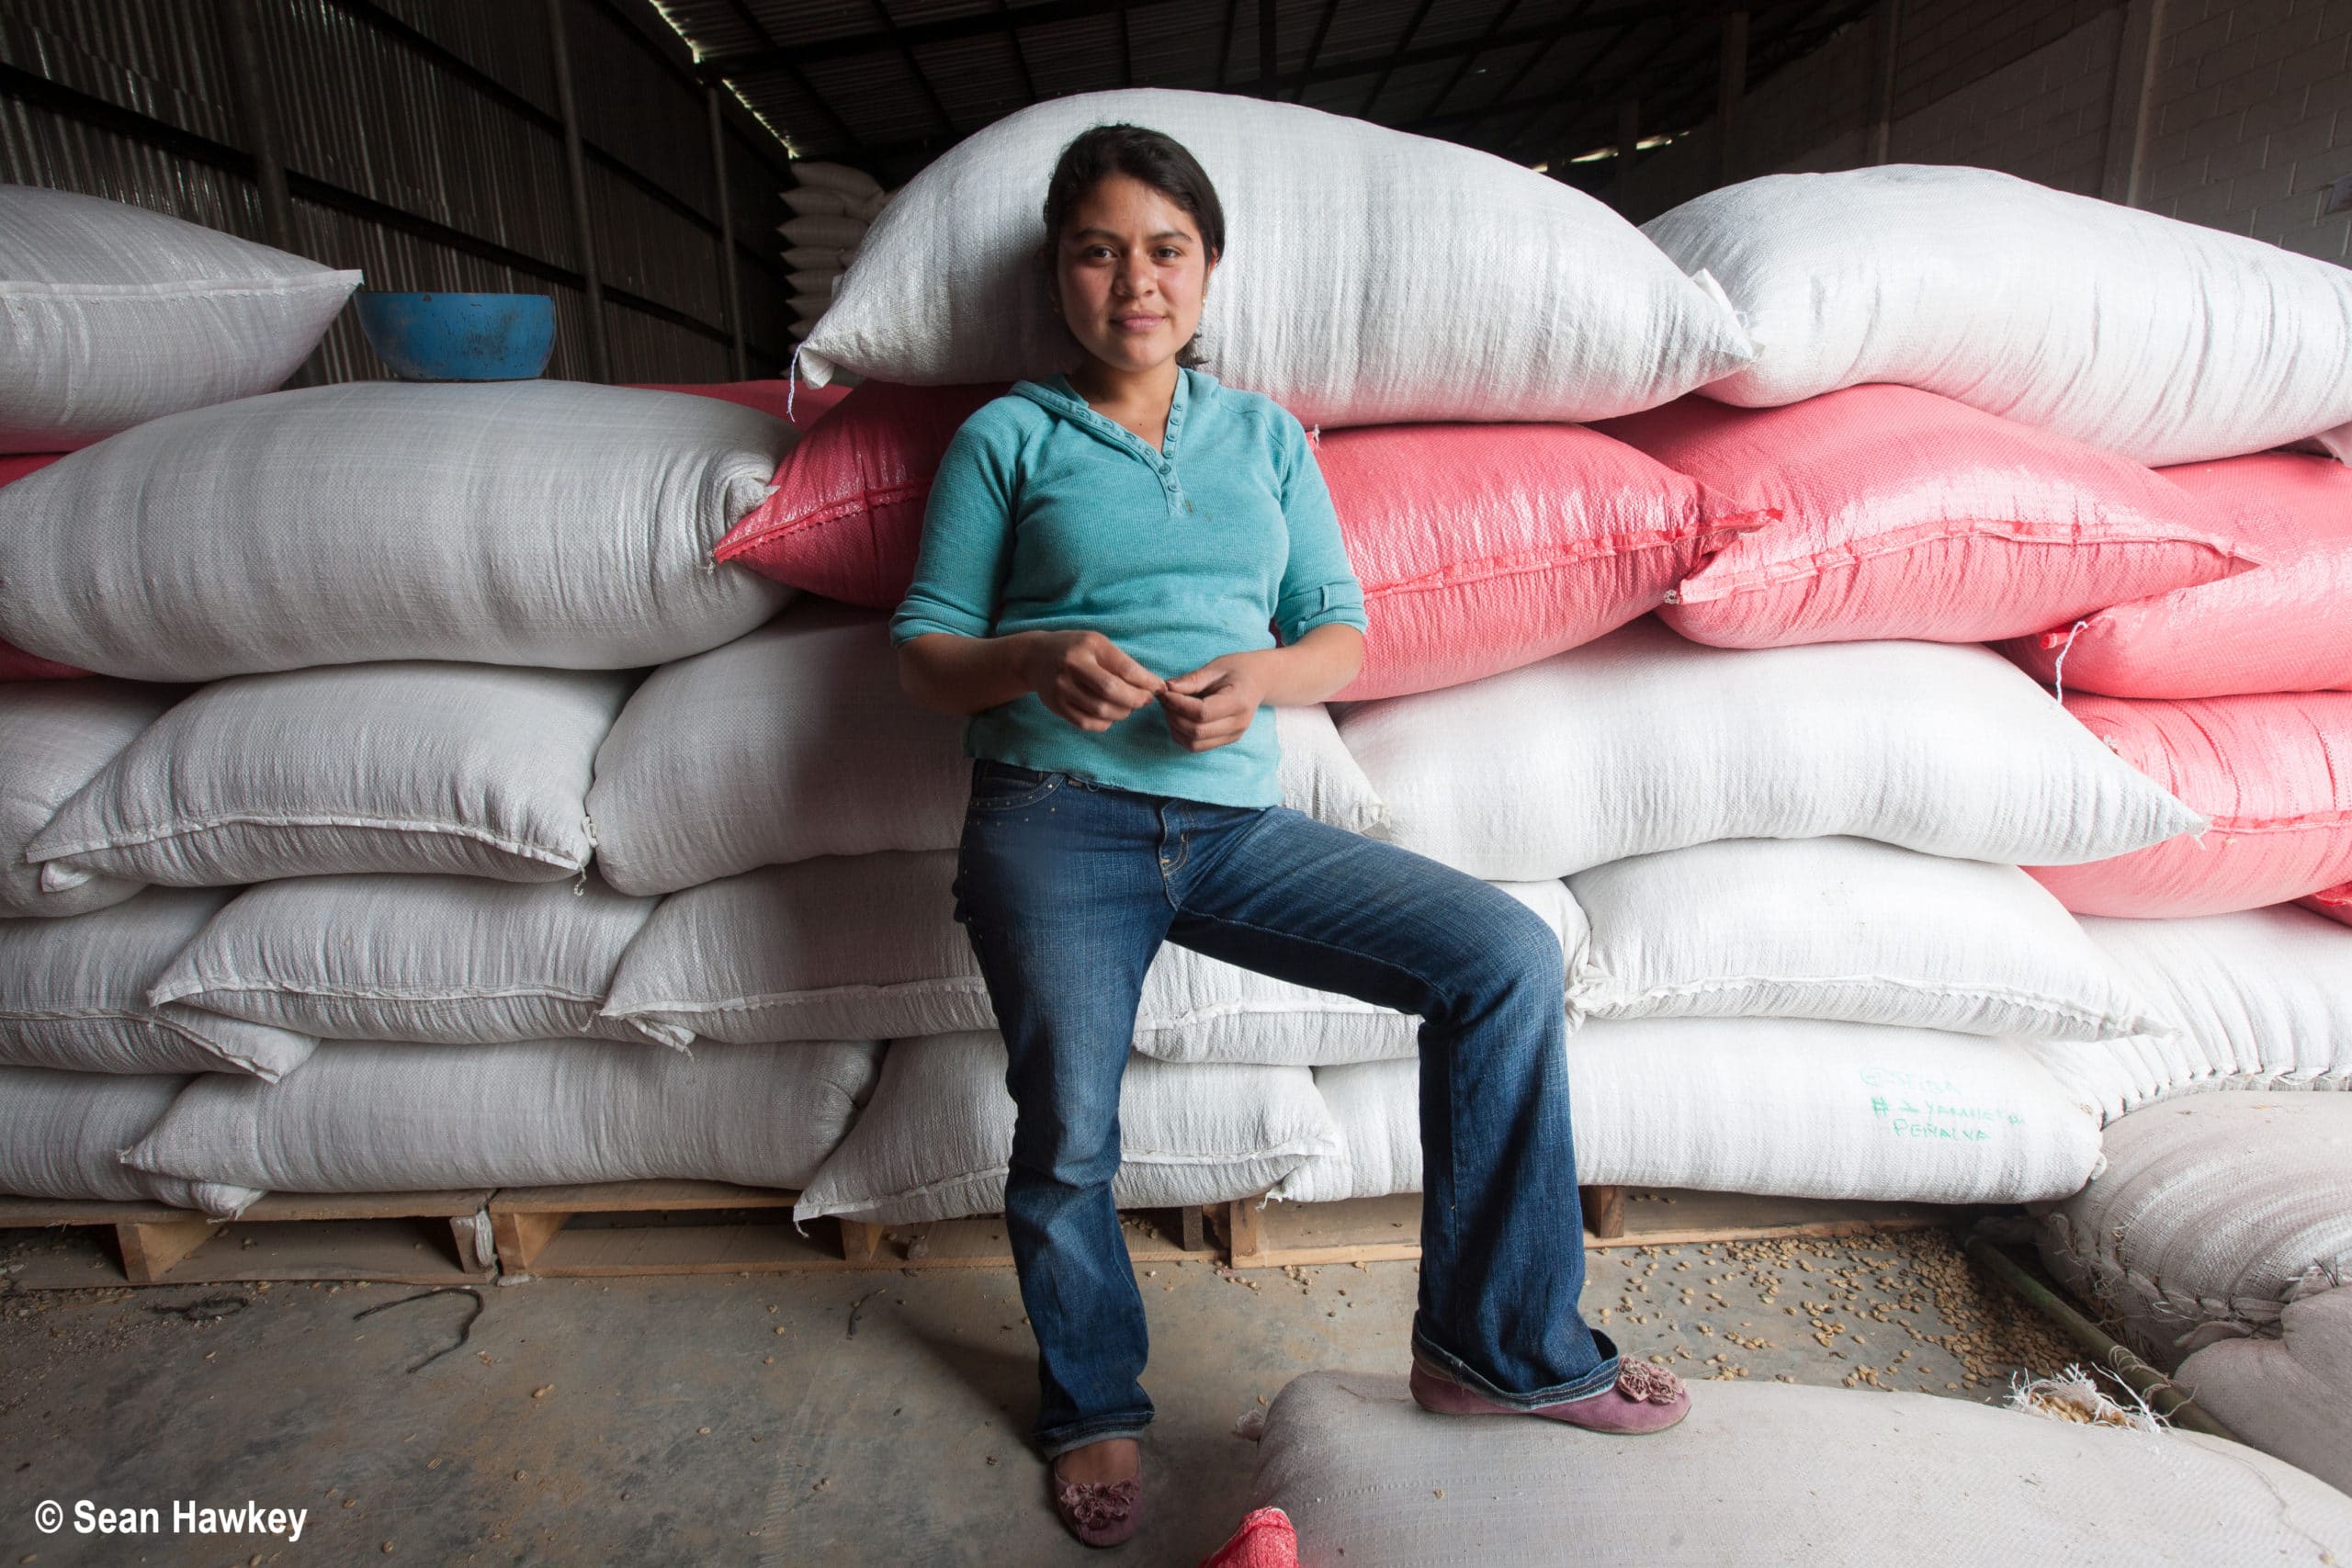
2290, 1396
1479, 548
446, 960
1898, 514
1764, 1474
53, 740
2214, 1215
2278, 628
2272, 773
392, 1118
2162, 341
867, 946
1792, 1107
1845, 929
935, 1139
532, 523
117, 314
74, 996
62, 1135
797, 741
1644, 741
475, 770
1446, 285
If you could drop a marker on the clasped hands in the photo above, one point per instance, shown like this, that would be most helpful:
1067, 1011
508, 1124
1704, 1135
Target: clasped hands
1092, 681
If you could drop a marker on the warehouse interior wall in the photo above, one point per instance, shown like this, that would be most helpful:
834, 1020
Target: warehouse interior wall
423, 142
2236, 114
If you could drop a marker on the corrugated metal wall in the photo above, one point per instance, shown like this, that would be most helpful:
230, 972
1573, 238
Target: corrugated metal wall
424, 146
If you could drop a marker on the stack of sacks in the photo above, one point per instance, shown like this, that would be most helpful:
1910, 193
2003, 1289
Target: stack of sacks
419, 611
833, 205
2149, 339
116, 315
2219, 1239
1817, 845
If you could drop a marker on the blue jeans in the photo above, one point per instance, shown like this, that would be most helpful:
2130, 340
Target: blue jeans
1066, 889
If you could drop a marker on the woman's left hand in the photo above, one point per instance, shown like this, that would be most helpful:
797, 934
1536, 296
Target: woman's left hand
1214, 706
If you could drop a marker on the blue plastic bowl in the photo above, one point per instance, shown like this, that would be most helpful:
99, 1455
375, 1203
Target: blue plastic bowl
459, 337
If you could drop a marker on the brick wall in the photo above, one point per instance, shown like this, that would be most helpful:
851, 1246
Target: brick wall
2251, 119
2248, 118
2044, 116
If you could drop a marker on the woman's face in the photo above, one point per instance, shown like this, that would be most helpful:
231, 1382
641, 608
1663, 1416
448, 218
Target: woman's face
1130, 273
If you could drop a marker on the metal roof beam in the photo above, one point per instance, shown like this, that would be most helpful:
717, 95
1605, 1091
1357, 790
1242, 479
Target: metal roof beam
950, 29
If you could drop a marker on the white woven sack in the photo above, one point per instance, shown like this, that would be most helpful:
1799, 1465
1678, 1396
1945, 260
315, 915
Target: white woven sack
111, 315
1792, 1107
1642, 741
838, 230
74, 996
54, 737
2215, 1212
1370, 276
389, 1118
449, 960
2264, 996
815, 280
2263, 999
2290, 1396
535, 522
62, 1135
1845, 929
2166, 341
803, 258
474, 769
817, 176
867, 946
809, 307
935, 1141
808, 201
797, 741
1763, 1475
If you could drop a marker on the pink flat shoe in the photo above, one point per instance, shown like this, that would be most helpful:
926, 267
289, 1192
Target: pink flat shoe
1100, 1513
1646, 1398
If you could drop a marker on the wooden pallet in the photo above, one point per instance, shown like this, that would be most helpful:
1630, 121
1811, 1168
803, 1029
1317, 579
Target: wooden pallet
713, 1227
1365, 1230
421, 1238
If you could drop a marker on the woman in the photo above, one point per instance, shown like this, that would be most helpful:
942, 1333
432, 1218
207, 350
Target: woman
1102, 557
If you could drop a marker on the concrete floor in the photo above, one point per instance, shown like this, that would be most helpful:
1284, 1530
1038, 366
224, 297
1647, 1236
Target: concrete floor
737, 1419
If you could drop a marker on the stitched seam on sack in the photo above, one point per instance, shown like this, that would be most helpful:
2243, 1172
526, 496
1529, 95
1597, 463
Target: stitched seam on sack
367, 824
1531, 563
966, 984
1781, 574
2027, 1000
1301, 1148
115, 1015
197, 288
361, 993
799, 522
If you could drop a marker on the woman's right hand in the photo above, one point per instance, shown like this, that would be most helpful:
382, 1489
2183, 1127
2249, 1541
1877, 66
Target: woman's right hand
1086, 678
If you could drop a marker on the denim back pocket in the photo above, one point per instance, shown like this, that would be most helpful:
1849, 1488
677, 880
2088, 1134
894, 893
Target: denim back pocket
1002, 786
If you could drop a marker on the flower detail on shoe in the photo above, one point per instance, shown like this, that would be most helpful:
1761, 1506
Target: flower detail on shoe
1097, 1506
1648, 1383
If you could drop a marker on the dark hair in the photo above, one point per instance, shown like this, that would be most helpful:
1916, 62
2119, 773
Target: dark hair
1158, 161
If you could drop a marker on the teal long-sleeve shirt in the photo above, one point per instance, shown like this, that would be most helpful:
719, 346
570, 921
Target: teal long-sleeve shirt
1048, 517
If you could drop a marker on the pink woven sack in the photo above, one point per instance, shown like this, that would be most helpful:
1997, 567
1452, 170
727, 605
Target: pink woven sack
1899, 514
2273, 774
2336, 903
1264, 1539
2283, 627
1480, 548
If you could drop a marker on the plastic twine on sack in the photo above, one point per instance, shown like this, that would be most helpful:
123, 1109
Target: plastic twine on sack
2058, 670
791, 385
579, 888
